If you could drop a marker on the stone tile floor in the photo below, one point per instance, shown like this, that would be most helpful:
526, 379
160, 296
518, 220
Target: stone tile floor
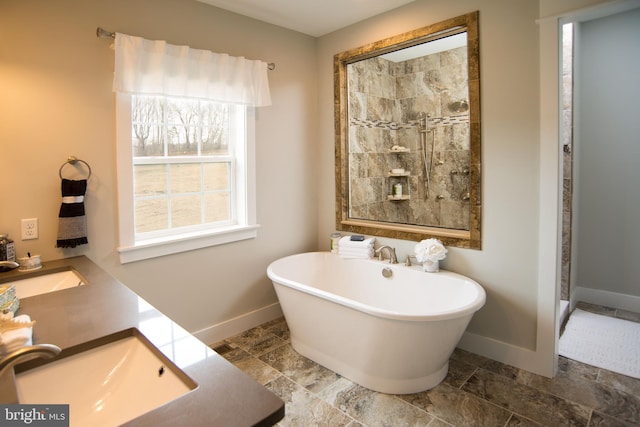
476, 392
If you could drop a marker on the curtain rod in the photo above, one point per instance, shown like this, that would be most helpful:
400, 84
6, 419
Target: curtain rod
101, 32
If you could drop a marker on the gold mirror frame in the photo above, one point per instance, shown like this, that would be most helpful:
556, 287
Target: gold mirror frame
460, 238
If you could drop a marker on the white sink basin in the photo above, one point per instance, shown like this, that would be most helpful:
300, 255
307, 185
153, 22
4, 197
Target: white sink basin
106, 385
47, 283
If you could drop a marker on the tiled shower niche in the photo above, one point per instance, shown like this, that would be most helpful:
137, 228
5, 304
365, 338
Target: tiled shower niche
386, 102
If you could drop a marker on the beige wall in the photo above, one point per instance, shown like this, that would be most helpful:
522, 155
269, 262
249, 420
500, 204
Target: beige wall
56, 101
518, 264
55, 79
506, 266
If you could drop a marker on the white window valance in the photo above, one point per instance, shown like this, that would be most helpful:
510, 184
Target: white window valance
154, 67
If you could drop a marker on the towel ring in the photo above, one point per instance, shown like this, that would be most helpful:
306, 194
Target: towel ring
72, 160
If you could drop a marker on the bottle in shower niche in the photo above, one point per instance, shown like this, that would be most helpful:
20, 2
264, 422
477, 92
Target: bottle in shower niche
7, 250
397, 190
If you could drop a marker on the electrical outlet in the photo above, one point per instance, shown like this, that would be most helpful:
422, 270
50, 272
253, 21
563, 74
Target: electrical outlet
29, 228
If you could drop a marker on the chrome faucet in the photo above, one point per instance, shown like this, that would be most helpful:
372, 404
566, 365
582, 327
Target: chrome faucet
45, 351
392, 254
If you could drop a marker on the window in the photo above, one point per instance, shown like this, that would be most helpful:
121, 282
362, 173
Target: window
185, 138
183, 163
185, 171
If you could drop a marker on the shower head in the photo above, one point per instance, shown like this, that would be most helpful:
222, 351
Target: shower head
459, 106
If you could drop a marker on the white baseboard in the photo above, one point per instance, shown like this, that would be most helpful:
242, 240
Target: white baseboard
231, 327
508, 354
606, 298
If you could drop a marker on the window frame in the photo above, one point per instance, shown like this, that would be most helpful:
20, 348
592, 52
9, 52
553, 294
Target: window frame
245, 227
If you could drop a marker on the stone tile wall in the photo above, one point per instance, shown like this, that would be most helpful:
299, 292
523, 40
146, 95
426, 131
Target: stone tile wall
386, 102
567, 157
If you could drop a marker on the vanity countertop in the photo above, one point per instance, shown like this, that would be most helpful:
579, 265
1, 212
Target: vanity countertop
70, 318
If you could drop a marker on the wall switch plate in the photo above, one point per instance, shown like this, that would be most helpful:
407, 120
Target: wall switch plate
29, 228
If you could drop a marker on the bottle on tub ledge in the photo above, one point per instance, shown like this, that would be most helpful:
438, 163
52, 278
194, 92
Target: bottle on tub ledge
335, 239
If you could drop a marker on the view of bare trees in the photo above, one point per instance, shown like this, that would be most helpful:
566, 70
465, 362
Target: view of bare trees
178, 127
187, 191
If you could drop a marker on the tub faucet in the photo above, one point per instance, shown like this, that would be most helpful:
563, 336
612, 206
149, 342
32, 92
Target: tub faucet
45, 351
392, 254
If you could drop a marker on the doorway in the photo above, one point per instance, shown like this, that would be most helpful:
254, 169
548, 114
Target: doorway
600, 136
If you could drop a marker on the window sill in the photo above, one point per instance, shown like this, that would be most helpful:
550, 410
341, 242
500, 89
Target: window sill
185, 242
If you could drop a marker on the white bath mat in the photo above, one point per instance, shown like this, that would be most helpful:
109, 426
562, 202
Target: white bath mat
602, 341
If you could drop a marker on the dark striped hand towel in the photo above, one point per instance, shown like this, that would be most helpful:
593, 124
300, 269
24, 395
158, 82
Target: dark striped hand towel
72, 227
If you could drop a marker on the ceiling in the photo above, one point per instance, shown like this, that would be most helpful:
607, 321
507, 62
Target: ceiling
312, 17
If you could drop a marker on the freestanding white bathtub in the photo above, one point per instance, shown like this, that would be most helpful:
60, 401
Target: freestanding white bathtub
390, 334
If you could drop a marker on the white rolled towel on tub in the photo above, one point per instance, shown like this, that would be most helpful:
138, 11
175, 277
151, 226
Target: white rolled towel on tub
346, 242
347, 253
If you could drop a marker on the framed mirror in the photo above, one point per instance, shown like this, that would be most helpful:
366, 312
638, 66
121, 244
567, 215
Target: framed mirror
408, 146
